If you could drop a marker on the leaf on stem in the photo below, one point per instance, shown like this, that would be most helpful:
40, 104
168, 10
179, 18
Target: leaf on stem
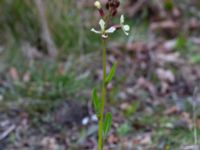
96, 101
107, 123
111, 73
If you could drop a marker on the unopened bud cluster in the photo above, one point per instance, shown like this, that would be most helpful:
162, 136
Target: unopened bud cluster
112, 6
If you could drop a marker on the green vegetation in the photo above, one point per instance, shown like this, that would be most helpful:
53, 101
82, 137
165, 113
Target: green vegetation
20, 24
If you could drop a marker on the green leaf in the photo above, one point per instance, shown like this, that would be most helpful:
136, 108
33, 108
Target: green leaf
195, 59
96, 101
168, 4
107, 123
111, 74
181, 42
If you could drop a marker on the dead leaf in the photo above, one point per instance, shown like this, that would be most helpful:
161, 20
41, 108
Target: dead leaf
163, 58
144, 139
26, 77
31, 52
169, 45
124, 106
198, 123
14, 74
164, 25
113, 139
176, 13
137, 6
49, 143
172, 110
137, 47
170, 28
194, 24
190, 147
142, 82
61, 69
164, 87
165, 75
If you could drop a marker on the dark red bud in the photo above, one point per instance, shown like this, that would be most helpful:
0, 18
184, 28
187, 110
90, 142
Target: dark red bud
117, 4
114, 12
107, 5
101, 12
112, 5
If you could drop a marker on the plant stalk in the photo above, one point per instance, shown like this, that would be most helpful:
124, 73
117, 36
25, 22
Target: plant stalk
101, 118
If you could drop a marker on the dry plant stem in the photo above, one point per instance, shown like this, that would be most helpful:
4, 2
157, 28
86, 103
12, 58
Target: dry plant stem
100, 130
46, 35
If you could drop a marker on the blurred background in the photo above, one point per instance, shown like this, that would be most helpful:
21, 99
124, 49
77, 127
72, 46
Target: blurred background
50, 62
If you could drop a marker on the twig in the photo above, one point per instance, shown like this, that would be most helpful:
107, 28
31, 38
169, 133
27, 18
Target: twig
7, 132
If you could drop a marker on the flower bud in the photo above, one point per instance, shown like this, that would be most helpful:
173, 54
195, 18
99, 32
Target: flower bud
101, 12
117, 4
97, 4
114, 12
107, 6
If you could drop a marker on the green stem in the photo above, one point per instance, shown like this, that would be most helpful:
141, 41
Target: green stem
100, 130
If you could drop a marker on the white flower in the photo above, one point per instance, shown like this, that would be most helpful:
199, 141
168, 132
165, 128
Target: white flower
125, 27
104, 33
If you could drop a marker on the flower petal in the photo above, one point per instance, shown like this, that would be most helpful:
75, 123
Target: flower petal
104, 36
126, 33
126, 27
122, 19
102, 24
95, 31
110, 30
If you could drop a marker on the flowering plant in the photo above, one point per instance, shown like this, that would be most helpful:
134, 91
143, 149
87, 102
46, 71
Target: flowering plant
112, 6
105, 121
